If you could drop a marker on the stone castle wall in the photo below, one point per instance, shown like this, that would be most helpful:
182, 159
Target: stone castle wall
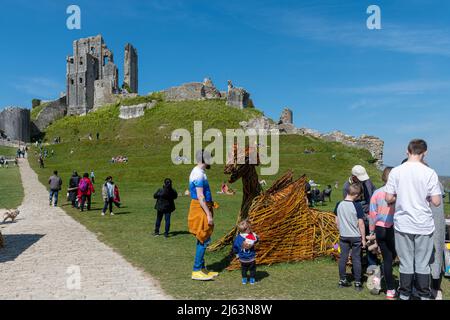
15, 123
53, 111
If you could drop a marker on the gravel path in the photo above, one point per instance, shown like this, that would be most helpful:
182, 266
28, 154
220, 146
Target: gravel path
49, 255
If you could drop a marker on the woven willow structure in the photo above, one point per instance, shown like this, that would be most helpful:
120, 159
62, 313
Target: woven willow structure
288, 229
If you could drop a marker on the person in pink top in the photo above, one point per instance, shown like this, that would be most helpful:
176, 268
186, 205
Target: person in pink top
381, 223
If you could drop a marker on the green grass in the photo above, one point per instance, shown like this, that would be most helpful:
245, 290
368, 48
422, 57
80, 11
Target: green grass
146, 141
36, 110
11, 191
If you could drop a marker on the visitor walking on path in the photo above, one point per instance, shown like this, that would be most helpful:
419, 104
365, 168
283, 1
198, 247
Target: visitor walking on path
413, 187
164, 206
352, 235
200, 218
381, 223
73, 189
55, 183
41, 161
92, 176
108, 195
85, 191
360, 176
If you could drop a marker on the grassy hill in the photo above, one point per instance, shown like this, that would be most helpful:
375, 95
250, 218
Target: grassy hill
146, 142
11, 191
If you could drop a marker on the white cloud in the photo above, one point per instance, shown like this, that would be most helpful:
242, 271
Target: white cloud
39, 87
305, 24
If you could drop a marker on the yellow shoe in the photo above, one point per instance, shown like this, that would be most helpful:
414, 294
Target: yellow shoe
210, 273
198, 275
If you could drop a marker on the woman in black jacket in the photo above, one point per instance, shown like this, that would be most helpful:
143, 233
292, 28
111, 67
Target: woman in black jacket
73, 189
165, 205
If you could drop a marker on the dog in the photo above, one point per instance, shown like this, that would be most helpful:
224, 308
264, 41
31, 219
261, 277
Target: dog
11, 214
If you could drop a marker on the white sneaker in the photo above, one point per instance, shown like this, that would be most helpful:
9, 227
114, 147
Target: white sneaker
112, 213
439, 295
103, 213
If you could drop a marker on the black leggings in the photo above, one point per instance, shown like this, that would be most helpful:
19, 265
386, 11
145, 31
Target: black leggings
386, 242
248, 266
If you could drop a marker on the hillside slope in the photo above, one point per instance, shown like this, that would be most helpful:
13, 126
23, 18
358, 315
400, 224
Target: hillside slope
146, 142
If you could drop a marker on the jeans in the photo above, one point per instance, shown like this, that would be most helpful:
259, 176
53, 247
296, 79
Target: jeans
85, 198
199, 261
54, 194
354, 245
386, 242
159, 216
108, 203
248, 266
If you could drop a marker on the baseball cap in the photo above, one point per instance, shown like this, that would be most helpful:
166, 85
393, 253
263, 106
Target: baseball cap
360, 172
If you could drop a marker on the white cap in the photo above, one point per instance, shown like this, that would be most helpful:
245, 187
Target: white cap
360, 172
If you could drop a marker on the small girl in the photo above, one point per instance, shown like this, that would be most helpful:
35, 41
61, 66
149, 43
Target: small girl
244, 248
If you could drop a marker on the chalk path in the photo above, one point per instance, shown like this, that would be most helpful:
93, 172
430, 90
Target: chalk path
49, 255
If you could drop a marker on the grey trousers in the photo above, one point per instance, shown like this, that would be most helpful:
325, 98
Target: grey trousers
437, 259
414, 252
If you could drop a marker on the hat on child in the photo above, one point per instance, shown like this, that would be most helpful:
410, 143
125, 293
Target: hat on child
250, 239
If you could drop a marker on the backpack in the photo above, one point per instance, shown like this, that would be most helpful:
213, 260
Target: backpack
83, 185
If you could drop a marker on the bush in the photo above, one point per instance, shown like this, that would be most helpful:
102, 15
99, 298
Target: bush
35, 103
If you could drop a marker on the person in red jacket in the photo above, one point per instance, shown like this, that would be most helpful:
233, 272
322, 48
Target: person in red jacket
85, 191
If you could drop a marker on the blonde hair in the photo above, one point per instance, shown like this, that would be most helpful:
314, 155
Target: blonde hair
354, 189
244, 225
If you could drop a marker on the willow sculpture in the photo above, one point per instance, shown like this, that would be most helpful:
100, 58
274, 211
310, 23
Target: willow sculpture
288, 228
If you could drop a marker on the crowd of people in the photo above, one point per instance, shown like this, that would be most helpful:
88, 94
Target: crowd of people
81, 189
119, 159
402, 220
406, 219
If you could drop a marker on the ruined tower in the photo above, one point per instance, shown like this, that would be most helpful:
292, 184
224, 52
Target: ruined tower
91, 61
286, 116
130, 69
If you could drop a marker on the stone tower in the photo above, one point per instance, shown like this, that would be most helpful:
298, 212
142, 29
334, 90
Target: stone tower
286, 116
15, 123
91, 61
130, 69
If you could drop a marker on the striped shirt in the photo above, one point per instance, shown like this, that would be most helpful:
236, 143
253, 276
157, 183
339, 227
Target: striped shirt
381, 214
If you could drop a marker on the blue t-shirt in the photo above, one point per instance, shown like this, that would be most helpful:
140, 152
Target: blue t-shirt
198, 179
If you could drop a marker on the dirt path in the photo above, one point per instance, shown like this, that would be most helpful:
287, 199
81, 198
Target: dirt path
48, 255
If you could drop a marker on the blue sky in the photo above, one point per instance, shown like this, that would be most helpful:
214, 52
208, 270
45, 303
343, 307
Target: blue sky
317, 57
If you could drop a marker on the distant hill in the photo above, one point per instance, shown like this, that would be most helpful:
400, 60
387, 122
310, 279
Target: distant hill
445, 181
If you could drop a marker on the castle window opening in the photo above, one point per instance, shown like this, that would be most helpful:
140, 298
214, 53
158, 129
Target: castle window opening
81, 80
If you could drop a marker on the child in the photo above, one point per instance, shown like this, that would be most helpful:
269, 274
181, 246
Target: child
381, 223
350, 222
412, 186
244, 247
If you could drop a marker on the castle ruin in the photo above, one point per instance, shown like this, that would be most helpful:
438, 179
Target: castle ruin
92, 76
130, 69
15, 124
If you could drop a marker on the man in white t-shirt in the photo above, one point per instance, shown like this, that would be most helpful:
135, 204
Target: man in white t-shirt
414, 187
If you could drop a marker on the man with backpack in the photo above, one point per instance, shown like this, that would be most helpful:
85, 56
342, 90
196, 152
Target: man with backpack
85, 191
55, 183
